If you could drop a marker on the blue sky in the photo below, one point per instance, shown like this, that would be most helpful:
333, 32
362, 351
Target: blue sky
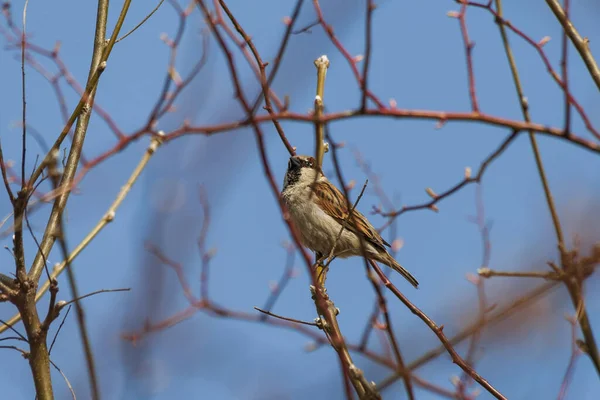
418, 60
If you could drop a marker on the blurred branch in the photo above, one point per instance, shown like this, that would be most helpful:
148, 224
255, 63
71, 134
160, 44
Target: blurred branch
581, 44
290, 22
575, 352
288, 273
502, 313
488, 273
484, 231
574, 288
105, 220
438, 331
262, 76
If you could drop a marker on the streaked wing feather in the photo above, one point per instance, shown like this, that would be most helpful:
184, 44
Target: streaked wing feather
333, 203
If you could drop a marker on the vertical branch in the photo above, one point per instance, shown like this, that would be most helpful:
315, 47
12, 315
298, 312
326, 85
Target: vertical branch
322, 63
39, 359
468, 53
83, 113
565, 74
573, 287
575, 352
406, 374
79, 312
24, 97
484, 231
368, 46
55, 178
381, 300
5, 177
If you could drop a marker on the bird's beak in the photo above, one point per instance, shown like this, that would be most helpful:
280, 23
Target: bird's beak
295, 162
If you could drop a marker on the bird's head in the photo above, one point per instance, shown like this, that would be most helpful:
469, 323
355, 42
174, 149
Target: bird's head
301, 169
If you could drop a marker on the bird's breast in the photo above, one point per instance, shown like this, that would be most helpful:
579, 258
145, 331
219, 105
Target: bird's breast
317, 229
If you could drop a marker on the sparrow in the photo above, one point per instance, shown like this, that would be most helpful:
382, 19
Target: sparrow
319, 210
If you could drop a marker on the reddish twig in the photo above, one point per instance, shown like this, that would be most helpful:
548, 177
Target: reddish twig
287, 274
438, 331
368, 46
538, 46
468, 179
469, 45
564, 69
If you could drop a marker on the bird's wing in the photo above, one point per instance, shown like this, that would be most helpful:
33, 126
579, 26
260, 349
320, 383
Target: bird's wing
333, 203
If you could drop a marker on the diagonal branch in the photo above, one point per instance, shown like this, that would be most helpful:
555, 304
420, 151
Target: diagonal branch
581, 44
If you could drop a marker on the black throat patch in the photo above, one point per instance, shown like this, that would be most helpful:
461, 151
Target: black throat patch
292, 176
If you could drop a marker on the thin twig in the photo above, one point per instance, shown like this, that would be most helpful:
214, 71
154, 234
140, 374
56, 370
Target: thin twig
280, 52
368, 46
107, 218
58, 330
438, 331
565, 71
381, 298
469, 45
66, 380
348, 218
24, 97
95, 293
141, 22
287, 274
9, 326
5, 179
501, 314
262, 76
468, 179
297, 321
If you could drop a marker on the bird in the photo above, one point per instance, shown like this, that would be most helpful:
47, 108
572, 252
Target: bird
318, 210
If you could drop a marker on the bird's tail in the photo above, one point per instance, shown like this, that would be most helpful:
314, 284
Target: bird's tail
391, 262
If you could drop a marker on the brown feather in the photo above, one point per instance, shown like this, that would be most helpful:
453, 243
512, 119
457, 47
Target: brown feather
333, 203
